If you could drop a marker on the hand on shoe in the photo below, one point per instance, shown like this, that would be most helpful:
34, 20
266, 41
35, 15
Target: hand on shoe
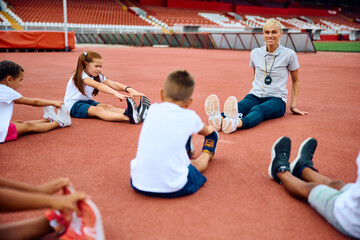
68, 202
133, 93
57, 104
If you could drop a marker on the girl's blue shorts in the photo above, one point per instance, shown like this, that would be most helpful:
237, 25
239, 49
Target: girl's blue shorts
80, 108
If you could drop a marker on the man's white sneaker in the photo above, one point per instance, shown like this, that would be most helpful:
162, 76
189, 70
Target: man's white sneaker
212, 109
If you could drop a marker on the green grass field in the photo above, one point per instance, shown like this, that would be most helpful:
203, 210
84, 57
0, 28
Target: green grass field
337, 46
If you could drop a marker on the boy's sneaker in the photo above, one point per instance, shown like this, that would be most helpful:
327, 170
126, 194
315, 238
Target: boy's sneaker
280, 153
131, 111
87, 225
231, 119
49, 113
212, 109
304, 157
63, 116
189, 147
210, 143
143, 108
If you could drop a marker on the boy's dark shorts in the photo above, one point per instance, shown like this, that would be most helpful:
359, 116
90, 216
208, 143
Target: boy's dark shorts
195, 181
80, 108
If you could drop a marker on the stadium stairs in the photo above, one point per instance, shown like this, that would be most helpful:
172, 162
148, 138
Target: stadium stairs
14, 24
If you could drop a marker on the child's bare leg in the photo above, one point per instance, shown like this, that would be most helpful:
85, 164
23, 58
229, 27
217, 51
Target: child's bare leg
106, 115
29, 127
310, 175
32, 121
201, 163
295, 186
111, 108
27, 229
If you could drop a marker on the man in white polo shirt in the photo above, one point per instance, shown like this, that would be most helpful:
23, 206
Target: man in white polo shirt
267, 98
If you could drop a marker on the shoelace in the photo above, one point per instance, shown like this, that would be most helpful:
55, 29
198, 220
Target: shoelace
209, 143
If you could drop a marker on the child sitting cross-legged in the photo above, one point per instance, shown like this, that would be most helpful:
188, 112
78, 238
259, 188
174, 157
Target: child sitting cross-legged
162, 167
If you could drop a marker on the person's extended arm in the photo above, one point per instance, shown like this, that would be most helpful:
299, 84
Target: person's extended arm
103, 88
15, 200
206, 130
121, 87
295, 88
37, 102
46, 188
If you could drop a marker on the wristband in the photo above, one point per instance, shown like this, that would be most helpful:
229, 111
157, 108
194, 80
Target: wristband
292, 107
127, 88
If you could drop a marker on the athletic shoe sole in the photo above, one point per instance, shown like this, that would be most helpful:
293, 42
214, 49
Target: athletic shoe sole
212, 110
273, 154
65, 112
143, 108
49, 113
232, 117
190, 147
231, 108
134, 118
63, 116
90, 214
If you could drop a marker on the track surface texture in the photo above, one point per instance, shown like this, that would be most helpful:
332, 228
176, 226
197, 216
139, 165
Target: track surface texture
238, 201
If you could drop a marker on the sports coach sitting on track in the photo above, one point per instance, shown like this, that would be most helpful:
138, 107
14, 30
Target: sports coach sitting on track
267, 98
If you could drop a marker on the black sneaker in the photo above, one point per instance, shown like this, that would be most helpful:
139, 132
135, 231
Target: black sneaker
304, 157
131, 111
189, 147
280, 153
143, 108
210, 143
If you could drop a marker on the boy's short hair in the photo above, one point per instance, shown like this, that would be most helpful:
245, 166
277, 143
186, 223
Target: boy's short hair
179, 85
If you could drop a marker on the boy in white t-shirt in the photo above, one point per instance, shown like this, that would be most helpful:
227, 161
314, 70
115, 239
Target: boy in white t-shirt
162, 167
337, 202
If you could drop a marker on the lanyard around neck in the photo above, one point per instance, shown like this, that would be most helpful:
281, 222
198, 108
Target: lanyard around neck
272, 65
266, 72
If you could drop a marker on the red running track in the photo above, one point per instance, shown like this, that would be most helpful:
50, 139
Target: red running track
239, 201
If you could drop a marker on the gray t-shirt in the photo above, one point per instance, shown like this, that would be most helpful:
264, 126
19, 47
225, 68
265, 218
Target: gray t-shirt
278, 65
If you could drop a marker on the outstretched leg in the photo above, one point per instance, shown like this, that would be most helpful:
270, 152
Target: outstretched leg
279, 170
294, 186
37, 127
269, 109
27, 229
311, 176
109, 113
300, 177
106, 114
303, 168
